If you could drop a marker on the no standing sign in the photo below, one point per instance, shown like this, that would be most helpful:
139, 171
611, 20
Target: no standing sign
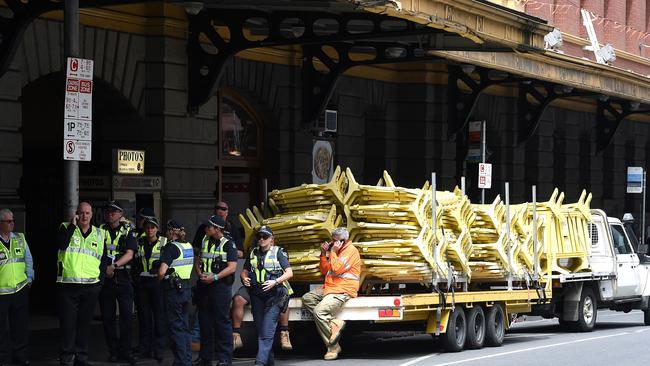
77, 112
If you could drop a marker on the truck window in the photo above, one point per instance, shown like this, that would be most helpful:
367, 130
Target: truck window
619, 240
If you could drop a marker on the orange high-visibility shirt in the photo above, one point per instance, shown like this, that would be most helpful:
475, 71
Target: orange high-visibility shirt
342, 271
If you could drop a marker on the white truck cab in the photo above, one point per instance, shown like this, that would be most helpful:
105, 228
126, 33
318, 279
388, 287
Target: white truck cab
618, 279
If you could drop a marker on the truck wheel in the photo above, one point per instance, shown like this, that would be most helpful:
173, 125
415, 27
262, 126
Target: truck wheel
646, 316
587, 311
495, 328
454, 339
475, 328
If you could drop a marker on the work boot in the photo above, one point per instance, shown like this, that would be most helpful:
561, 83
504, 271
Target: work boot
285, 341
236, 341
337, 329
332, 352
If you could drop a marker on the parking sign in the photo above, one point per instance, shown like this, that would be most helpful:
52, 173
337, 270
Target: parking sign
485, 175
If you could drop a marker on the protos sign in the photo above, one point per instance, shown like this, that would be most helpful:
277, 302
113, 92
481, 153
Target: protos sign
130, 161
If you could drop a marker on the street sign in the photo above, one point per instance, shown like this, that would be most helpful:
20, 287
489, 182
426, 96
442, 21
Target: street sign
474, 131
77, 111
634, 179
485, 175
79, 150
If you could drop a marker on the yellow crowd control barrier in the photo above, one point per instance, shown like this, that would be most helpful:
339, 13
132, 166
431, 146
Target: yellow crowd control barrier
392, 228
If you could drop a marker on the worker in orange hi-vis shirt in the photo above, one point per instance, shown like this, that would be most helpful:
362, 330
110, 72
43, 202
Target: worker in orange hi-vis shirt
341, 265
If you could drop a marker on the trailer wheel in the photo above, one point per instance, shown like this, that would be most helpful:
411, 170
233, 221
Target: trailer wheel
454, 339
495, 329
587, 311
475, 328
646, 316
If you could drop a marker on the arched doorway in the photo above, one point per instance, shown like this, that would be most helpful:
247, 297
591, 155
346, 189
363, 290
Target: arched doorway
114, 121
240, 145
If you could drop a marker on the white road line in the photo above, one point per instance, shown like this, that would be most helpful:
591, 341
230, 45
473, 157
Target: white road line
641, 330
417, 360
531, 335
511, 352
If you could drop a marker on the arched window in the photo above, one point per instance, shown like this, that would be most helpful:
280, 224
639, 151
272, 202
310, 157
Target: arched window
238, 128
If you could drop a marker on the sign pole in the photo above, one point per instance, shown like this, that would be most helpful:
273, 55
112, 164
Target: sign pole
643, 212
71, 49
483, 156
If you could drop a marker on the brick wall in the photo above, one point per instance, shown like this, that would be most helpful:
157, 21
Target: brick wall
623, 23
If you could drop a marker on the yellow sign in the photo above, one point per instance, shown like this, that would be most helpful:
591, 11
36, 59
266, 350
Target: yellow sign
130, 161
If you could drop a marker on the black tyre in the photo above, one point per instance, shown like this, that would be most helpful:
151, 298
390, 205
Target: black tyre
495, 326
454, 339
475, 328
646, 316
587, 311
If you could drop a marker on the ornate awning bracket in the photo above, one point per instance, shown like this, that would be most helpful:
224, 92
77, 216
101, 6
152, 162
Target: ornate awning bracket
323, 64
608, 118
13, 22
20, 13
534, 98
216, 35
461, 103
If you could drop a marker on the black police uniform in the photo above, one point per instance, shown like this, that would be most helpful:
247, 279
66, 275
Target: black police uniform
214, 309
76, 303
266, 306
149, 301
177, 298
118, 288
230, 232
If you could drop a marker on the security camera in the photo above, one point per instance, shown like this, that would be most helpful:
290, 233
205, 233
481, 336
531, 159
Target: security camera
607, 53
193, 7
553, 39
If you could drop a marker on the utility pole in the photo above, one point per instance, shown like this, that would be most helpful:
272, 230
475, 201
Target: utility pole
70, 49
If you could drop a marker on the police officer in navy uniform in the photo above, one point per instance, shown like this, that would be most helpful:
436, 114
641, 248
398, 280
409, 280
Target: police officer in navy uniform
149, 292
215, 266
142, 215
121, 246
266, 273
82, 261
176, 264
16, 276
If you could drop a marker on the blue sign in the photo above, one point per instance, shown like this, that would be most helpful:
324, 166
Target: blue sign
634, 179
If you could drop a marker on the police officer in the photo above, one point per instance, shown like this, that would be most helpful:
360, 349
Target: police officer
216, 268
142, 215
266, 273
176, 262
16, 275
121, 246
81, 261
231, 232
149, 292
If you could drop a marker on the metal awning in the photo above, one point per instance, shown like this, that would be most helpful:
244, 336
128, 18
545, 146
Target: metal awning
486, 22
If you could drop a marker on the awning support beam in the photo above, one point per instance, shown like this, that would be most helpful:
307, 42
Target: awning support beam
321, 71
253, 28
13, 25
534, 98
608, 118
460, 103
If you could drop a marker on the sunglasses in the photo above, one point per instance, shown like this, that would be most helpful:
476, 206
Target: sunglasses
263, 236
222, 208
8, 221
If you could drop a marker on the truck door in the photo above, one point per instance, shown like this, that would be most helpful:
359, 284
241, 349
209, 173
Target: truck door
627, 280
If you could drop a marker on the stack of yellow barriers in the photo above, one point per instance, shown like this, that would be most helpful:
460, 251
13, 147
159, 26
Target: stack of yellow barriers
392, 228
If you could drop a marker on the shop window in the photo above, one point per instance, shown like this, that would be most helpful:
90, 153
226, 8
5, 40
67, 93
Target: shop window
238, 129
